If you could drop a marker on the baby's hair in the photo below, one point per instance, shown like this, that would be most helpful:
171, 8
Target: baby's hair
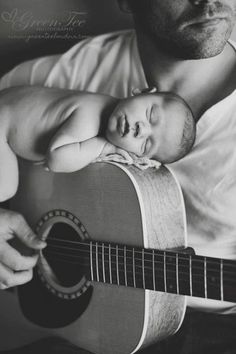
189, 131
189, 135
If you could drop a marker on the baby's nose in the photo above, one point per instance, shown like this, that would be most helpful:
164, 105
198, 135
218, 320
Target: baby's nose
144, 129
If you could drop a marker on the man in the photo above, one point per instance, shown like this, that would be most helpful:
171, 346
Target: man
179, 46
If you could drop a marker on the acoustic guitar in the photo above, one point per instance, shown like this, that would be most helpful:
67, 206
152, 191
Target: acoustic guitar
114, 274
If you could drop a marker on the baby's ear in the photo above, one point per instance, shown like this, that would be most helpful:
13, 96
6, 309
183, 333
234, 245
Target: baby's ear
138, 91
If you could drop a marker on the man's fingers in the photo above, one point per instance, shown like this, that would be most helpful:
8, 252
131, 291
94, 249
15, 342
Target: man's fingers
11, 258
16, 268
22, 230
8, 278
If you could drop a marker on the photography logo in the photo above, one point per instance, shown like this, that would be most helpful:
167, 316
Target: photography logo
26, 25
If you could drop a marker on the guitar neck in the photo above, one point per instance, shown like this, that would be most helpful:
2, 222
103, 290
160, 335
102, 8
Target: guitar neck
158, 270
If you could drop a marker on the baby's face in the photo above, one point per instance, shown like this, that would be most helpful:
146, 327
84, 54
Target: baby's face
148, 125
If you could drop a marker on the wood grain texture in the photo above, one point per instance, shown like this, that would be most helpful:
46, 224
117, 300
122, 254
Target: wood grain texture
164, 227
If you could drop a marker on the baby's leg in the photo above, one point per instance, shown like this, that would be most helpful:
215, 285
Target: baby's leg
8, 172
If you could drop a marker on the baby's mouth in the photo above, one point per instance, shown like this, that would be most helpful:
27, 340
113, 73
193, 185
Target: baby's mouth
123, 126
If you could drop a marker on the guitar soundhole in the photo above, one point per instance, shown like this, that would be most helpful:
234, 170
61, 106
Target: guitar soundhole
64, 263
63, 256
59, 292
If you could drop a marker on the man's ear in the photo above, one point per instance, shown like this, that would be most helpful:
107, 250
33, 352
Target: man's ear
124, 6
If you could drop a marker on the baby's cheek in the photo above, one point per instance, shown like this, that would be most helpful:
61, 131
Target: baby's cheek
131, 145
113, 138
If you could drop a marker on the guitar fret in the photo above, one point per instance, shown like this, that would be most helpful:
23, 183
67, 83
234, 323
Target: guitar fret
103, 264
221, 280
117, 265
165, 285
171, 274
190, 275
177, 273
228, 280
97, 269
91, 259
153, 270
198, 276
134, 274
143, 272
109, 256
205, 277
125, 269
213, 278
164, 271
183, 282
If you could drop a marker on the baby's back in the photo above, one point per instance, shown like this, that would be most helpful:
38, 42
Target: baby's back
32, 115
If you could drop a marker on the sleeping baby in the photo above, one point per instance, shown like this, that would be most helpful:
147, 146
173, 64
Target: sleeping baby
69, 129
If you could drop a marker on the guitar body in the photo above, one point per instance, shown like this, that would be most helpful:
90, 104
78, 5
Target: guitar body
105, 202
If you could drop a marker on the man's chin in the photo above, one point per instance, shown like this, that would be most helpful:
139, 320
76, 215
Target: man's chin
204, 52
195, 51
190, 44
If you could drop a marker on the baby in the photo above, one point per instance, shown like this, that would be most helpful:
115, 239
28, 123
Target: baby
70, 129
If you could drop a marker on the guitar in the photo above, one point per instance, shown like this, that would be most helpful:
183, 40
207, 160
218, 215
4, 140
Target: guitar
114, 274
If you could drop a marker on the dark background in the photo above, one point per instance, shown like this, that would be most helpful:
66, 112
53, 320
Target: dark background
33, 28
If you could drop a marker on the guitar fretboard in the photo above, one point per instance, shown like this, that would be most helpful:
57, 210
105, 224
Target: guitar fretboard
166, 271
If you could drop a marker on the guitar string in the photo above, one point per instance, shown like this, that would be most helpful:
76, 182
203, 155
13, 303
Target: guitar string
140, 253
215, 261
226, 279
156, 262
137, 273
79, 251
147, 278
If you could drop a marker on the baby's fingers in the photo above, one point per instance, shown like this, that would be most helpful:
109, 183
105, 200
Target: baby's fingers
125, 155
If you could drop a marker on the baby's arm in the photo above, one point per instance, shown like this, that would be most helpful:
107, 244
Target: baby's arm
68, 155
72, 148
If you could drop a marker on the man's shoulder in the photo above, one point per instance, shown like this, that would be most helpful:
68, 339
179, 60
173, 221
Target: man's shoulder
94, 63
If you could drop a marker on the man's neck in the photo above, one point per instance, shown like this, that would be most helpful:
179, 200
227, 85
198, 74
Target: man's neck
201, 82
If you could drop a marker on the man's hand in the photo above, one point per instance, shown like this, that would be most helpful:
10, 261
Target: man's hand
15, 268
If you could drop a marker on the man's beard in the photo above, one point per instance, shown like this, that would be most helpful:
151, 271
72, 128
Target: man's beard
186, 38
186, 47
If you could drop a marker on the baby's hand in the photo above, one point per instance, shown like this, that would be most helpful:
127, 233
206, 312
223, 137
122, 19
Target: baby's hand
125, 154
110, 149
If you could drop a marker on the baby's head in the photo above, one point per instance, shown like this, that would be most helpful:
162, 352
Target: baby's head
157, 125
